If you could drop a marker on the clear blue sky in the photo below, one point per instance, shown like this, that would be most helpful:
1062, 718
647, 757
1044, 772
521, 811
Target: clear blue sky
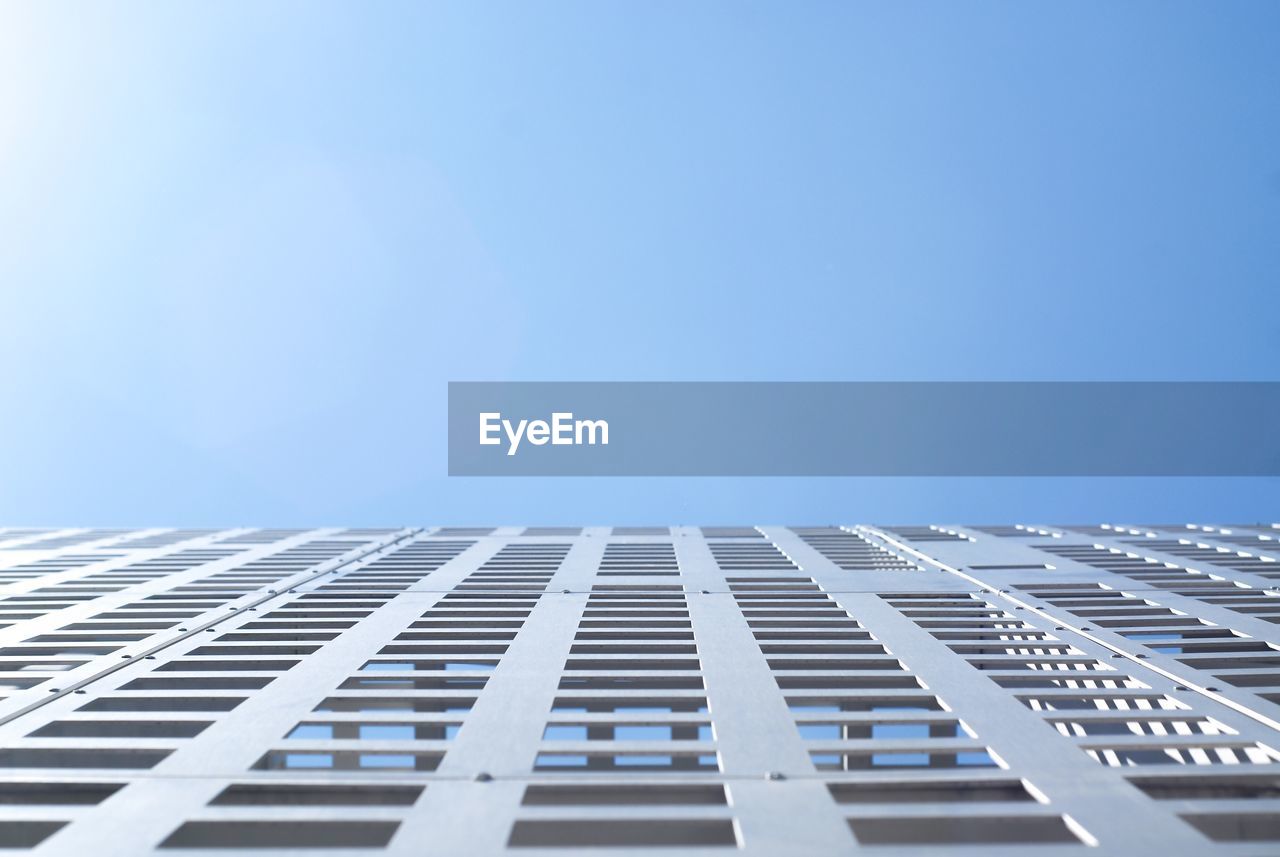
244, 245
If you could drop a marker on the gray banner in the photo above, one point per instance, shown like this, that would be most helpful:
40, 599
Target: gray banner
864, 429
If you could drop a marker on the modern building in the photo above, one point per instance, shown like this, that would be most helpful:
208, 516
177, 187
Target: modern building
773, 690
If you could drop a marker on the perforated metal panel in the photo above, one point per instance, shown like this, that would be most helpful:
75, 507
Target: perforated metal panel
797, 690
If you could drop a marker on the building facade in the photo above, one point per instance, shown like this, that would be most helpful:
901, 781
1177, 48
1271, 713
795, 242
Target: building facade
772, 690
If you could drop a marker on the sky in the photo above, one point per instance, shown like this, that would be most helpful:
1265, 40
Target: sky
244, 246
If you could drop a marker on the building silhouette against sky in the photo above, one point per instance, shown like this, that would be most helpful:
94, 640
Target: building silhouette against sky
695, 690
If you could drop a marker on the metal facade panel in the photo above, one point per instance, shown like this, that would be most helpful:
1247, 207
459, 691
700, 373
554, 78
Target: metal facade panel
768, 690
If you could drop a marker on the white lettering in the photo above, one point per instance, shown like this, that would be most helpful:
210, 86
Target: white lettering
591, 426
538, 432
562, 430
487, 428
514, 436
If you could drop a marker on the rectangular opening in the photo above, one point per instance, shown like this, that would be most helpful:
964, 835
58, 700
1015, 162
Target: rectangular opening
849, 682
375, 731
199, 683
943, 791
227, 666
1142, 724
1237, 826
961, 830
861, 760
58, 757
456, 682
282, 834
886, 730
627, 732
835, 704
27, 834
1263, 787
121, 729
264, 794
605, 761
162, 703
620, 682
670, 794
635, 833
1208, 754
1124, 702
348, 760
406, 704
56, 794
430, 666
630, 705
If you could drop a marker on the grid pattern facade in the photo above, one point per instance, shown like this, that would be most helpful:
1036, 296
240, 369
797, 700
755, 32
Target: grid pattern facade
766, 690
